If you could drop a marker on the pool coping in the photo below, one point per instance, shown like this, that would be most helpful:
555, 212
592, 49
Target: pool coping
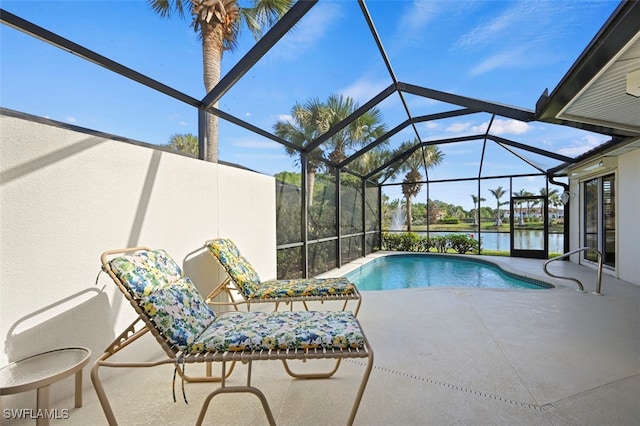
504, 266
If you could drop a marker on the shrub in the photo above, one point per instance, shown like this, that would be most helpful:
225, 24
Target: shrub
462, 243
409, 242
390, 241
441, 243
449, 221
423, 244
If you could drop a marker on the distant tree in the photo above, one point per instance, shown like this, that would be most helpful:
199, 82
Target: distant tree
291, 178
427, 157
476, 201
300, 130
364, 129
553, 197
314, 118
435, 208
370, 160
498, 193
218, 22
184, 142
522, 193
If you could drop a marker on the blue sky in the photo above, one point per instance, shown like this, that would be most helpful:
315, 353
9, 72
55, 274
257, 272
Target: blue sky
501, 51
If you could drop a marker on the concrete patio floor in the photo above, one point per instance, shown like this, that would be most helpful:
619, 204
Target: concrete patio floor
443, 356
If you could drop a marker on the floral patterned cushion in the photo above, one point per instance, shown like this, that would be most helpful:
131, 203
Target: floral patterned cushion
246, 277
144, 270
170, 300
246, 331
236, 265
304, 287
178, 311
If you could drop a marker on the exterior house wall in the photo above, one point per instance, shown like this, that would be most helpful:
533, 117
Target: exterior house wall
66, 196
627, 211
627, 169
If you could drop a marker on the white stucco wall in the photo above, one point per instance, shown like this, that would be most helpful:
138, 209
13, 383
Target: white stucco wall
628, 223
67, 196
627, 169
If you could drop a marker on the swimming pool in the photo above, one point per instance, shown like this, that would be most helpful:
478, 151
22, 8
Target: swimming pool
424, 270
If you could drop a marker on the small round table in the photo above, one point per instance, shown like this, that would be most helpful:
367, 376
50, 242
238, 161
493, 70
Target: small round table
40, 371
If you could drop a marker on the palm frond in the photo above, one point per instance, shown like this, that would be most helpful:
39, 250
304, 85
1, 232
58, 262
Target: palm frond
164, 8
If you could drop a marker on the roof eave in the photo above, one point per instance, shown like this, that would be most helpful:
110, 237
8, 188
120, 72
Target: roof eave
619, 29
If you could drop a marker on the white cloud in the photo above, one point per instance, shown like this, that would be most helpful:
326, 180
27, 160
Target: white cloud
586, 143
458, 127
417, 16
454, 151
256, 144
262, 156
509, 22
498, 60
412, 24
503, 127
176, 117
309, 32
71, 119
284, 117
519, 37
364, 89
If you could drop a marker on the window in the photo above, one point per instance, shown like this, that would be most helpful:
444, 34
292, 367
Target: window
600, 218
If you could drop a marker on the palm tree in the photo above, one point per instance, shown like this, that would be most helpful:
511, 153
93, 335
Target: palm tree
218, 22
476, 201
427, 157
304, 127
184, 142
364, 129
498, 193
311, 120
370, 160
522, 193
553, 197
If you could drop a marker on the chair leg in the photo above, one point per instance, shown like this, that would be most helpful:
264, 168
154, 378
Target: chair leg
128, 336
355, 313
208, 378
363, 385
102, 396
311, 375
236, 389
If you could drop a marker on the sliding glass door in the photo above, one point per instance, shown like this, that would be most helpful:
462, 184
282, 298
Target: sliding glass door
600, 218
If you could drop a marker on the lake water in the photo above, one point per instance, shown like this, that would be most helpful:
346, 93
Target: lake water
526, 240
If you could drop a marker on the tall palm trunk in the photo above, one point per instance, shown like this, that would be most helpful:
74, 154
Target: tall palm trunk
475, 213
311, 181
409, 213
212, 48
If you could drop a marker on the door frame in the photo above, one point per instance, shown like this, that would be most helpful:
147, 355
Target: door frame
532, 254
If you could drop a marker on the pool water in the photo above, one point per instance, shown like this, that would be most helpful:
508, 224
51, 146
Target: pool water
411, 271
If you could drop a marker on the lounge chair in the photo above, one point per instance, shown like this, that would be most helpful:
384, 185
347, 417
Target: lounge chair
170, 307
243, 280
